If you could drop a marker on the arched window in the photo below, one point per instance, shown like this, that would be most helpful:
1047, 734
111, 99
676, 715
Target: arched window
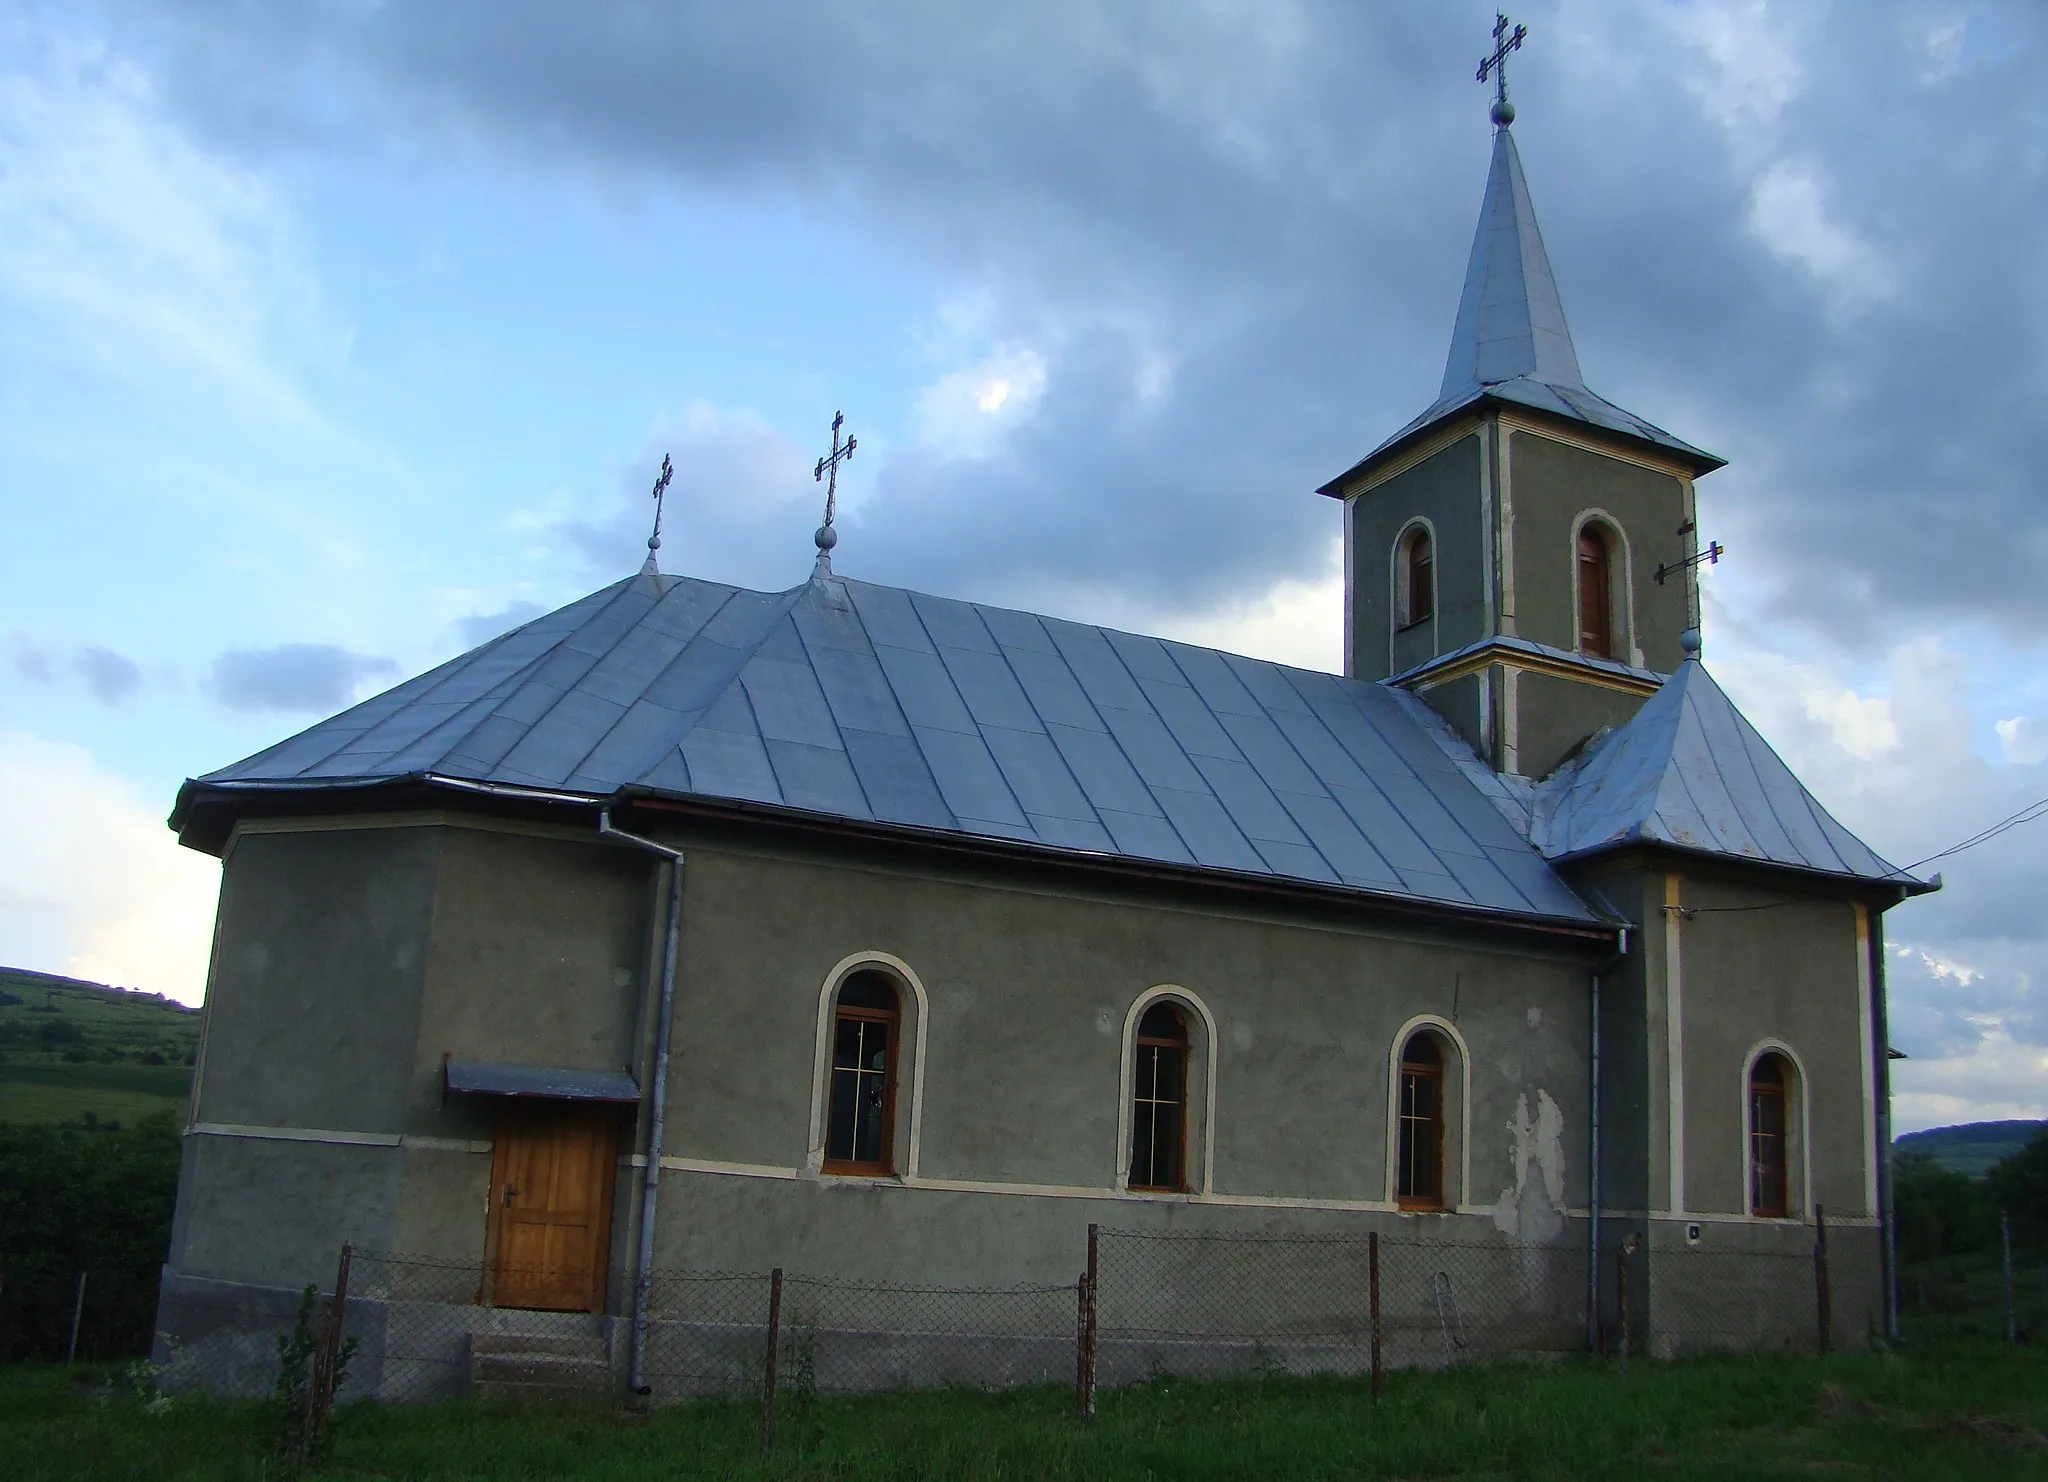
860, 1129
1159, 1101
1769, 1084
1418, 577
1419, 1132
1596, 596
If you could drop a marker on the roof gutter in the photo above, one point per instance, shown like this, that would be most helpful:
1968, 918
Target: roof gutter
655, 1097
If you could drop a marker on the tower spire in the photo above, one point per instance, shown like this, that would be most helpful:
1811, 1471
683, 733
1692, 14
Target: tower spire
1510, 320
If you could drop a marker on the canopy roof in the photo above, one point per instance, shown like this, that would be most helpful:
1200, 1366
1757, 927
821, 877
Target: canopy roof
1690, 772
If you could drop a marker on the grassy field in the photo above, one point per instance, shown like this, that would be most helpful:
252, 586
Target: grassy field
1967, 1415
70, 1049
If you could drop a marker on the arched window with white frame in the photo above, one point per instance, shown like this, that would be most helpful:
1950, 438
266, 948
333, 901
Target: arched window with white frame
1166, 1124
1429, 1095
866, 1099
1774, 1144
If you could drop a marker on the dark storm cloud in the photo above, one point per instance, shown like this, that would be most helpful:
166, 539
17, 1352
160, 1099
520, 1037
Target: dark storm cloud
1811, 244
293, 676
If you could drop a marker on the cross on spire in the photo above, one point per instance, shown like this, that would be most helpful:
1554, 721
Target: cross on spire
668, 471
827, 472
1496, 66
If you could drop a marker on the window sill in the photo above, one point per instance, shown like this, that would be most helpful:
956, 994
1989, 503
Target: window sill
1422, 622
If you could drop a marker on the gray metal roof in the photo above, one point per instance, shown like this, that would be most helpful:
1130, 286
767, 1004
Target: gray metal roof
488, 1078
1511, 342
865, 702
1512, 643
1690, 772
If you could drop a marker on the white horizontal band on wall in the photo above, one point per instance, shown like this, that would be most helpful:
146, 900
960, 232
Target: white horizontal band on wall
338, 1138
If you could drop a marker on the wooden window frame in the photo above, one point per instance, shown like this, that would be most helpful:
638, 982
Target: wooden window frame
1435, 1074
885, 1166
1600, 644
1779, 1088
1418, 576
1185, 1045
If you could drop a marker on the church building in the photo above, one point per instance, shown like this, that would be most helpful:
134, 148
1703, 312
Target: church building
900, 938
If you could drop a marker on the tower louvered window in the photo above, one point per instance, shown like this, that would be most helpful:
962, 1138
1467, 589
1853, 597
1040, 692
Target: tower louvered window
1596, 595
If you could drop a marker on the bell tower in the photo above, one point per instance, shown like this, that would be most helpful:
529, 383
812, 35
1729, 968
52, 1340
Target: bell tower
1518, 554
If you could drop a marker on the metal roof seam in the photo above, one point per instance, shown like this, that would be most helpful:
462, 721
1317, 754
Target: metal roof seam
832, 715
650, 757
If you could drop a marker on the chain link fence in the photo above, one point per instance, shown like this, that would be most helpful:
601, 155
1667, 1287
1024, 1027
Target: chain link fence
1149, 1302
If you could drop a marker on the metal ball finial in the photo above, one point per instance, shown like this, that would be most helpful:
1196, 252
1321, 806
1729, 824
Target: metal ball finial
826, 537
1503, 113
1689, 642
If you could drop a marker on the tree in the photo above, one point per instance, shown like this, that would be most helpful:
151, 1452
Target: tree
2019, 1183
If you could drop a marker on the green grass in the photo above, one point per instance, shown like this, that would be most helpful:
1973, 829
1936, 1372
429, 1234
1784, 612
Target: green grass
1980, 1413
69, 1048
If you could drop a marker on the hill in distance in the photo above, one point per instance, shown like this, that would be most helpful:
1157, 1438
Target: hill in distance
1970, 1148
71, 1049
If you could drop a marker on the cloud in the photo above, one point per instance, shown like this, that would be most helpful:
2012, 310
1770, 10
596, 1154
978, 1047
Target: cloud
740, 508
110, 677
1223, 246
148, 259
293, 676
91, 882
482, 627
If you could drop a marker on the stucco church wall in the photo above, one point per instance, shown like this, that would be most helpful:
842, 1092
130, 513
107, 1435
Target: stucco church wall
1444, 489
310, 1019
1030, 985
1554, 717
313, 1004
1765, 961
1552, 483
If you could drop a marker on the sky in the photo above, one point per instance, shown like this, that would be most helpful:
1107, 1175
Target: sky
336, 338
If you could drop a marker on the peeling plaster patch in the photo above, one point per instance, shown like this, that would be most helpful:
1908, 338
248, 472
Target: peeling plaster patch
1105, 1022
1535, 1016
1533, 1209
1241, 1034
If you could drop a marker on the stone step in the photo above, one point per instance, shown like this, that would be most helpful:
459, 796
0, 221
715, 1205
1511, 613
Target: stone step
539, 1368
568, 1345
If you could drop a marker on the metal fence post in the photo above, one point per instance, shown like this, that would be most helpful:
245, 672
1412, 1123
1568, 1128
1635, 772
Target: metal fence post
1824, 1302
78, 1312
1080, 1345
327, 1357
1091, 1314
769, 1367
2004, 1272
1372, 1262
1621, 1302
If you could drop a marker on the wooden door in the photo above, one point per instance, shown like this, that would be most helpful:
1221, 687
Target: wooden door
551, 1206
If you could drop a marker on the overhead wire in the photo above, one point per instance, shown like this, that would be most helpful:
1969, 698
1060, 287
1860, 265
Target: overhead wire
2027, 814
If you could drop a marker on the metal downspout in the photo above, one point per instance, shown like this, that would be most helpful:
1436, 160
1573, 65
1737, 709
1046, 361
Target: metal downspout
1880, 1049
1594, 1207
657, 1099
